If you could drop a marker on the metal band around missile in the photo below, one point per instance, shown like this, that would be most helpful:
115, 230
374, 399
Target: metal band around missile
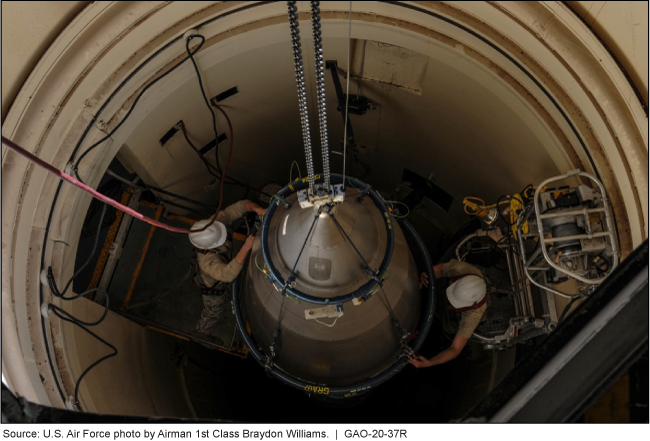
427, 312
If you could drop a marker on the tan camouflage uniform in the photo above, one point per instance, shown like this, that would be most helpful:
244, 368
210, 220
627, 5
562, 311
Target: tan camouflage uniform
218, 266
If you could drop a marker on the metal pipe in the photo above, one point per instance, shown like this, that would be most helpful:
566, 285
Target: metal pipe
526, 269
526, 304
512, 282
478, 233
573, 212
554, 291
484, 339
576, 237
527, 290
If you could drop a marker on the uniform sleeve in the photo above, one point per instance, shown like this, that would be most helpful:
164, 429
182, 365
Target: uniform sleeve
232, 213
214, 269
469, 320
455, 268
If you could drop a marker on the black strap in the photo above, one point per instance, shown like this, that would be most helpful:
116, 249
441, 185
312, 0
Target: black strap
217, 290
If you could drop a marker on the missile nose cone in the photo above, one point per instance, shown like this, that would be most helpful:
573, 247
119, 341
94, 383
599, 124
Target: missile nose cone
326, 254
328, 266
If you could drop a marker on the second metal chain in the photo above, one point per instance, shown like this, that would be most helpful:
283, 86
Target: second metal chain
302, 96
320, 89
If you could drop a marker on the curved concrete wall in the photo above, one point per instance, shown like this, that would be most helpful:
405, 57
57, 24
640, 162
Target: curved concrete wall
511, 93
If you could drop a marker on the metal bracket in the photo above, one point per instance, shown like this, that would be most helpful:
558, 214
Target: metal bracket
331, 311
336, 194
115, 250
269, 359
281, 200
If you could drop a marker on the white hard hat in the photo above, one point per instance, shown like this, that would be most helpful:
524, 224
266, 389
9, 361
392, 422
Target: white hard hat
467, 291
212, 237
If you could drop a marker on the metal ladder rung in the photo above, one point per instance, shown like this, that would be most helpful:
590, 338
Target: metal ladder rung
573, 213
578, 236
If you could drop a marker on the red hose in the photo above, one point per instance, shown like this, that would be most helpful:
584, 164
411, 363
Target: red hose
61, 175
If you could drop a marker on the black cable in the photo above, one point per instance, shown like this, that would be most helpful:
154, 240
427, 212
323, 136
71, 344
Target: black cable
498, 242
566, 309
205, 161
207, 164
200, 365
160, 296
523, 191
77, 147
128, 113
205, 98
63, 315
50, 276
190, 56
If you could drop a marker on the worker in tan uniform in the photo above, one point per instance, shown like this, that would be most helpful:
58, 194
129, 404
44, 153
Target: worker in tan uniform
467, 296
215, 267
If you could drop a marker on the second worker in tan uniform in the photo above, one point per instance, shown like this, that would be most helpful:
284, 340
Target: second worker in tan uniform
215, 266
466, 295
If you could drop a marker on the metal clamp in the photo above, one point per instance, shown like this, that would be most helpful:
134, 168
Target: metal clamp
269, 359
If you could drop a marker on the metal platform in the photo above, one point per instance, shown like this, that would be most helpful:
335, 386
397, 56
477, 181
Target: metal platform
148, 277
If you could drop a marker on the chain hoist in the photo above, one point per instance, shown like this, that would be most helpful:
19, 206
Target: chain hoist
320, 90
302, 98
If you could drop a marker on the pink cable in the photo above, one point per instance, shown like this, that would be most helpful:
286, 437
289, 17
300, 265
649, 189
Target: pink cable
38, 161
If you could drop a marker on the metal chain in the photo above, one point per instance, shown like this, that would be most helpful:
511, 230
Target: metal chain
347, 94
302, 96
320, 88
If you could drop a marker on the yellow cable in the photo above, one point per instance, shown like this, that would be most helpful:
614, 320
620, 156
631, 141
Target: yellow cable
291, 171
476, 206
